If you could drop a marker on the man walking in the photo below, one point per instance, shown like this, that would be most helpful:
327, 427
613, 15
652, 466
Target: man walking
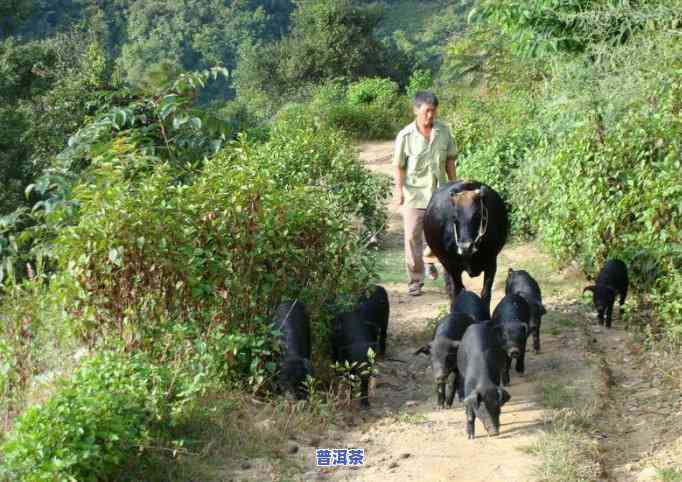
424, 158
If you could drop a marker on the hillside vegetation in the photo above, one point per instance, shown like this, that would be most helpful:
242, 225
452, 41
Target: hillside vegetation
172, 170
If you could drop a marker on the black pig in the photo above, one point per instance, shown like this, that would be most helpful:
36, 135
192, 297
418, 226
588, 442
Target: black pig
480, 359
354, 334
443, 352
512, 315
470, 303
376, 309
521, 283
292, 320
612, 280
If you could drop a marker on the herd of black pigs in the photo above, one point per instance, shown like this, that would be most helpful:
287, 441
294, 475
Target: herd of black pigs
466, 226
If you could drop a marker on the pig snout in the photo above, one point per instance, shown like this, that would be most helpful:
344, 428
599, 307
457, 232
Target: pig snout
514, 352
491, 427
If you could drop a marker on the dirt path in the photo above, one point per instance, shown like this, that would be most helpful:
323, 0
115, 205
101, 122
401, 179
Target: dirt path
406, 438
409, 439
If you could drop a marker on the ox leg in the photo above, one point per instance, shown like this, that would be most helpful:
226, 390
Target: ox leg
488, 278
453, 284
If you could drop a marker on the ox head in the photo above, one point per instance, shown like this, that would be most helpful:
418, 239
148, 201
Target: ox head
470, 219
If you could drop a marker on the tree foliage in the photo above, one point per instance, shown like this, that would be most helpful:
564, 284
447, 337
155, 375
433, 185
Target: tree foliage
328, 40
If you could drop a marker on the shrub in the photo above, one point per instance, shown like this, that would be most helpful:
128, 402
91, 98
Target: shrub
373, 91
615, 192
113, 407
222, 251
421, 79
302, 153
31, 341
492, 147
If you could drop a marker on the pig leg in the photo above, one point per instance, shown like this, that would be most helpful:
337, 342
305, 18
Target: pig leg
521, 362
451, 395
459, 385
505, 372
440, 388
471, 423
488, 278
382, 340
536, 337
623, 294
609, 312
364, 392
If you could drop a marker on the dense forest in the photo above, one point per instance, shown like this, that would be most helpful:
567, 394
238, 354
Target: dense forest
169, 169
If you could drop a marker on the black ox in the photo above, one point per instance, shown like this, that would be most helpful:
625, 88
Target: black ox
466, 226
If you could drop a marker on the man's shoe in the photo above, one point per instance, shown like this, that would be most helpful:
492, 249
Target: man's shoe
415, 289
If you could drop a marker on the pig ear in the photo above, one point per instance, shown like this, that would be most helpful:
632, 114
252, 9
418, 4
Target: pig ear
589, 288
502, 396
426, 349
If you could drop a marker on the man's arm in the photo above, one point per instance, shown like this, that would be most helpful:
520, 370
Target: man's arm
400, 173
451, 160
450, 168
400, 163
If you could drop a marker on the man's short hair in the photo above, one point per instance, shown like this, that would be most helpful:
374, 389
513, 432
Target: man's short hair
425, 97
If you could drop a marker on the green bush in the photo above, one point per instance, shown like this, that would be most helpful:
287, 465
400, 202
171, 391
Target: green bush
373, 91
303, 153
615, 192
368, 109
156, 263
98, 422
421, 79
492, 147
31, 340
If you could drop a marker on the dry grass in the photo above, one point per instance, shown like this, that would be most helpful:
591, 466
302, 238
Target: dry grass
574, 399
234, 433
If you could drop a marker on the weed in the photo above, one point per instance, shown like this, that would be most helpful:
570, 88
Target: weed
568, 323
669, 474
567, 455
411, 418
349, 376
557, 395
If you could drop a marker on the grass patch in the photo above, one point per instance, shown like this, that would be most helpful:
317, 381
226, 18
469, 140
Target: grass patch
669, 474
411, 418
567, 456
557, 395
567, 322
552, 364
554, 331
391, 268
